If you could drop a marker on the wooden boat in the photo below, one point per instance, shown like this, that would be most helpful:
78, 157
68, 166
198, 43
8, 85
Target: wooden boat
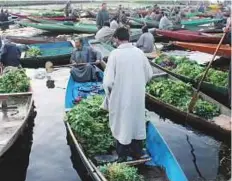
205, 87
63, 27
14, 114
101, 47
224, 50
148, 22
201, 21
32, 40
6, 23
158, 149
189, 36
57, 52
220, 126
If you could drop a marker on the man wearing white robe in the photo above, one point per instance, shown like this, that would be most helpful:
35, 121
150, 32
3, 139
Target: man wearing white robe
165, 23
125, 78
105, 34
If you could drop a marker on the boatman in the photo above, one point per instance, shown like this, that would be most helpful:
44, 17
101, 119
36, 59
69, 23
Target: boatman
126, 74
105, 34
146, 41
9, 55
84, 57
165, 23
102, 16
67, 8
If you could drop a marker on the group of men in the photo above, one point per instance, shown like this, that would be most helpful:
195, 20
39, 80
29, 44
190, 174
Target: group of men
4, 15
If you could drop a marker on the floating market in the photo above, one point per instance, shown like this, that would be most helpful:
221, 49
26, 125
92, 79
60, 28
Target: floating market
115, 90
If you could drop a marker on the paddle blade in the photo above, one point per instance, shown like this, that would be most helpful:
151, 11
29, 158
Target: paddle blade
49, 67
193, 102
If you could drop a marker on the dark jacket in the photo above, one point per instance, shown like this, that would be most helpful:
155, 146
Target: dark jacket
102, 17
10, 56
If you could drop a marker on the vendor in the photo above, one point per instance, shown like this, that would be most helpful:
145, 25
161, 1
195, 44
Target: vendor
84, 55
146, 41
165, 23
105, 34
9, 54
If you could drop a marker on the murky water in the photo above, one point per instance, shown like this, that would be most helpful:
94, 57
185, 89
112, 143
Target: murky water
48, 159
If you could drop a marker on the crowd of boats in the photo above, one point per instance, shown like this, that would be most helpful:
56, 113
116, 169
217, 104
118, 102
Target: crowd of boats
200, 30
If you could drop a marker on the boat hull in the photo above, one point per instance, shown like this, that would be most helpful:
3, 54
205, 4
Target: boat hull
188, 36
224, 50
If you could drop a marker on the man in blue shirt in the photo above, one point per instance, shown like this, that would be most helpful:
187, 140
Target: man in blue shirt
87, 55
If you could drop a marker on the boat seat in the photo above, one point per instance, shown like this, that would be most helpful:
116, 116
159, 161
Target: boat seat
223, 121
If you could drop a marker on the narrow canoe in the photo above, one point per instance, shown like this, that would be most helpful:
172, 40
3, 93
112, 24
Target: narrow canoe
224, 50
156, 146
50, 20
205, 87
63, 27
12, 125
197, 22
149, 23
58, 53
32, 40
6, 23
219, 126
101, 47
189, 36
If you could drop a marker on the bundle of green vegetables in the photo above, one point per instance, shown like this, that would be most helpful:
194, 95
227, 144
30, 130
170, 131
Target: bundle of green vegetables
179, 95
90, 124
120, 172
34, 52
190, 69
14, 81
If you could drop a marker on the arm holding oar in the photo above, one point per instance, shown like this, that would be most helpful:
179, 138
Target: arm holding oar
195, 95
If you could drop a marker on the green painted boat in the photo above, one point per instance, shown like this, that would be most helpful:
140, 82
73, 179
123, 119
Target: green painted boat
58, 53
206, 87
197, 22
190, 15
65, 27
150, 23
48, 14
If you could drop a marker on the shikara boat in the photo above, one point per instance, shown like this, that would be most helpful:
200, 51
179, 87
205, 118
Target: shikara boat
32, 40
57, 52
189, 36
196, 22
148, 22
15, 111
220, 126
63, 27
158, 149
101, 47
205, 87
224, 50
6, 23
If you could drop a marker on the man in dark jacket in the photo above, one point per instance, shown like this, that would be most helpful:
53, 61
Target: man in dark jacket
102, 16
9, 55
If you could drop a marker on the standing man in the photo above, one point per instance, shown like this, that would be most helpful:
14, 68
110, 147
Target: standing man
146, 41
127, 72
68, 8
102, 16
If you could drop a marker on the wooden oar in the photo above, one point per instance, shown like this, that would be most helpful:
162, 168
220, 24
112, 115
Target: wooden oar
195, 95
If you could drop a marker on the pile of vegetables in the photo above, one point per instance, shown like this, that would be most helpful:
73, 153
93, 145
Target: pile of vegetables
14, 81
90, 123
120, 172
190, 69
179, 95
34, 52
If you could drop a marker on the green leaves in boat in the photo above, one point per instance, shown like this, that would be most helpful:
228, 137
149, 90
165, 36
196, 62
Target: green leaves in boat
179, 95
14, 81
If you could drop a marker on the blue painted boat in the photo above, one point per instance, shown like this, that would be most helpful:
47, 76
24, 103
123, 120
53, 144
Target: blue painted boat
57, 52
156, 146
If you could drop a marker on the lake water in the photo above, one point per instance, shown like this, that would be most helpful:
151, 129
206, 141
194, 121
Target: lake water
47, 156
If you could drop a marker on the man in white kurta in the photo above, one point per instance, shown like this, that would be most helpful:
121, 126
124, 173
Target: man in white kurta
125, 78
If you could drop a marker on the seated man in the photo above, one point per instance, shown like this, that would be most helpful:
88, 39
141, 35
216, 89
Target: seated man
146, 41
165, 23
9, 55
84, 56
105, 34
